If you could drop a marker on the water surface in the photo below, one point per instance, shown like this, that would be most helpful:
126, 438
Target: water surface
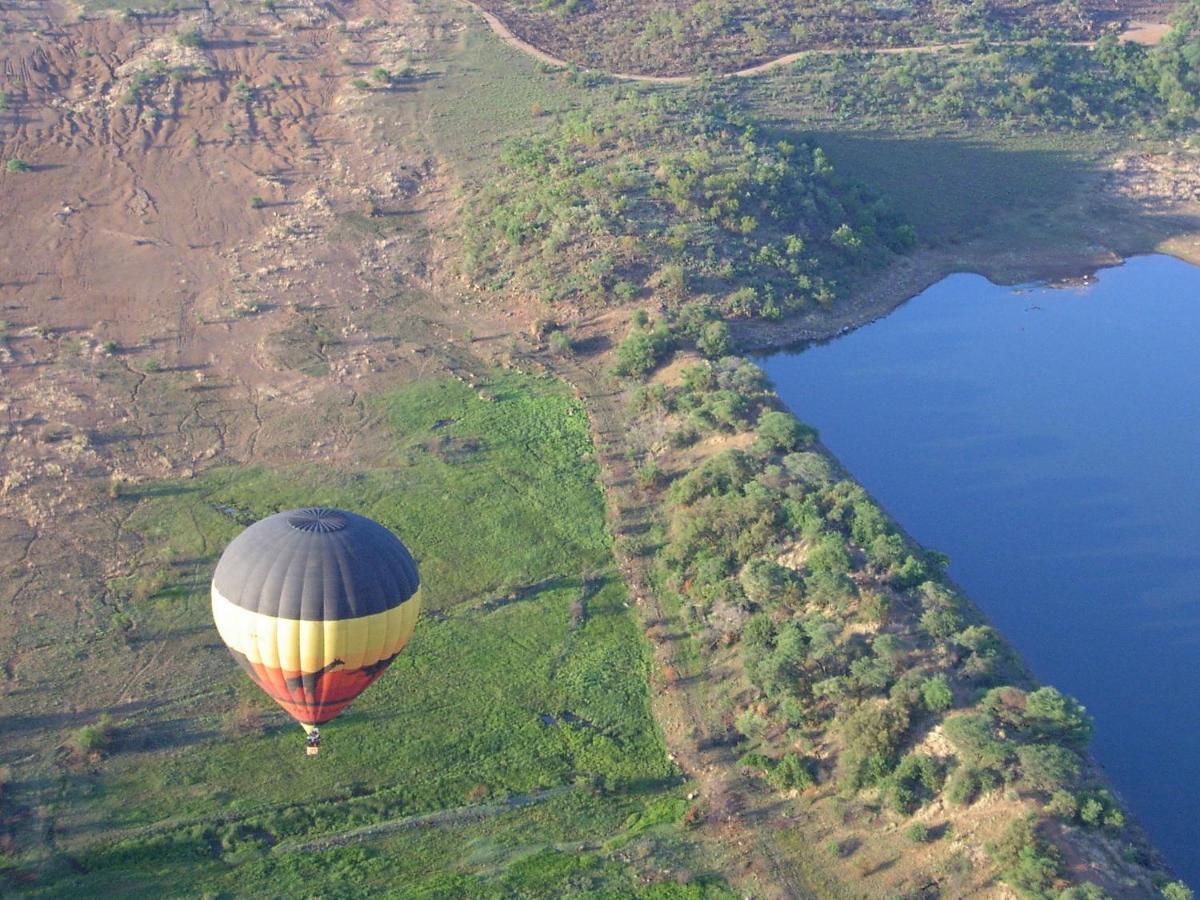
1048, 441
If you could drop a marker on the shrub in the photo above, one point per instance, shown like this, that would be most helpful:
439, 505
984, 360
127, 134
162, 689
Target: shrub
1025, 860
966, 783
190, 38
781, 432
94, 738
257, 202
914, 783
643, 350
792, 771
917, 832
1047, 767
936, 695
17, 165
715, 340
560, 343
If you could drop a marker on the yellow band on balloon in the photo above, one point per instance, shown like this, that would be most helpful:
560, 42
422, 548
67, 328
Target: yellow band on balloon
309, 646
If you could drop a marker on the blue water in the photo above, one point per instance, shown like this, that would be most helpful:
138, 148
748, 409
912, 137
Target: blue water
1048, 440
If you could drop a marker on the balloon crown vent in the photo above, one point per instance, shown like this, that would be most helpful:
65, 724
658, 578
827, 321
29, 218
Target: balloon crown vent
318, 519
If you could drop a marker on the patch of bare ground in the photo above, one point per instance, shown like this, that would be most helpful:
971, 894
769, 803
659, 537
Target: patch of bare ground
1158, 181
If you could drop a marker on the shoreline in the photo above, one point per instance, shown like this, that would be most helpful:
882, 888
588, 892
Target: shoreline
912, 275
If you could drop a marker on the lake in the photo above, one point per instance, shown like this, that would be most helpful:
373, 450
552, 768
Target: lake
1048, 439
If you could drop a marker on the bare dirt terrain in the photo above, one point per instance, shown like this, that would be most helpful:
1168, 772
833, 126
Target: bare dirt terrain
194, 261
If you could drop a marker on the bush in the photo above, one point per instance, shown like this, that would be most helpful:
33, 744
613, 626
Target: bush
1026, 861
792, 771
643, 350
917, 832
560, 343
191, 38
94, 738
715, 340
914, 783
936, 695
781, 432
1047, 767
966, 783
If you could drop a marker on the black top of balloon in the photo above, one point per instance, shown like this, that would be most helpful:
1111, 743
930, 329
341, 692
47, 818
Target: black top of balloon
316, 564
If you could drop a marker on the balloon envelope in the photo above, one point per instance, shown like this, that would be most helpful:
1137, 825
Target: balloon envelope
315, 604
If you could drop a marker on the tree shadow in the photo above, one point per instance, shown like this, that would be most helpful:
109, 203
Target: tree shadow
1022, 205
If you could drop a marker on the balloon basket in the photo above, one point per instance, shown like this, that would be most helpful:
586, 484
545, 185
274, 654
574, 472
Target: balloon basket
311, 751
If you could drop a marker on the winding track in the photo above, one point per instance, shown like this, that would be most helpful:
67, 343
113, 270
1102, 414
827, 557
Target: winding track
505, 34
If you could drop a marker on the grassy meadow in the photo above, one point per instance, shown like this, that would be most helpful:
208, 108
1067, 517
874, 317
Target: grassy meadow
525, 683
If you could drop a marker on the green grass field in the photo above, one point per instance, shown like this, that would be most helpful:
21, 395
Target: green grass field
527, 672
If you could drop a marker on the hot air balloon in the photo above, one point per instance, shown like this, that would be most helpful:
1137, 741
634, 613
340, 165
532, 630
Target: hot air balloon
315, 604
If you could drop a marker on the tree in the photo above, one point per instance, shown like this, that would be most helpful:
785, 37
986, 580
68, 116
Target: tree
642, 351
914, 783
1052, 715
974, 736
917, 832
781, 432
792, 771
936, 694
715, 340
941, 624
872, 735
967, 782
766, 582
17, 165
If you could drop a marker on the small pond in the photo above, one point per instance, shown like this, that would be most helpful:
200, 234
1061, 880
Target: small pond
1048, 440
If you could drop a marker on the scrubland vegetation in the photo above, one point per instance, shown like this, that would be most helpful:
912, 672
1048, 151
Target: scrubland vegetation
651, 36
1035, 85
690, 202
866, 674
